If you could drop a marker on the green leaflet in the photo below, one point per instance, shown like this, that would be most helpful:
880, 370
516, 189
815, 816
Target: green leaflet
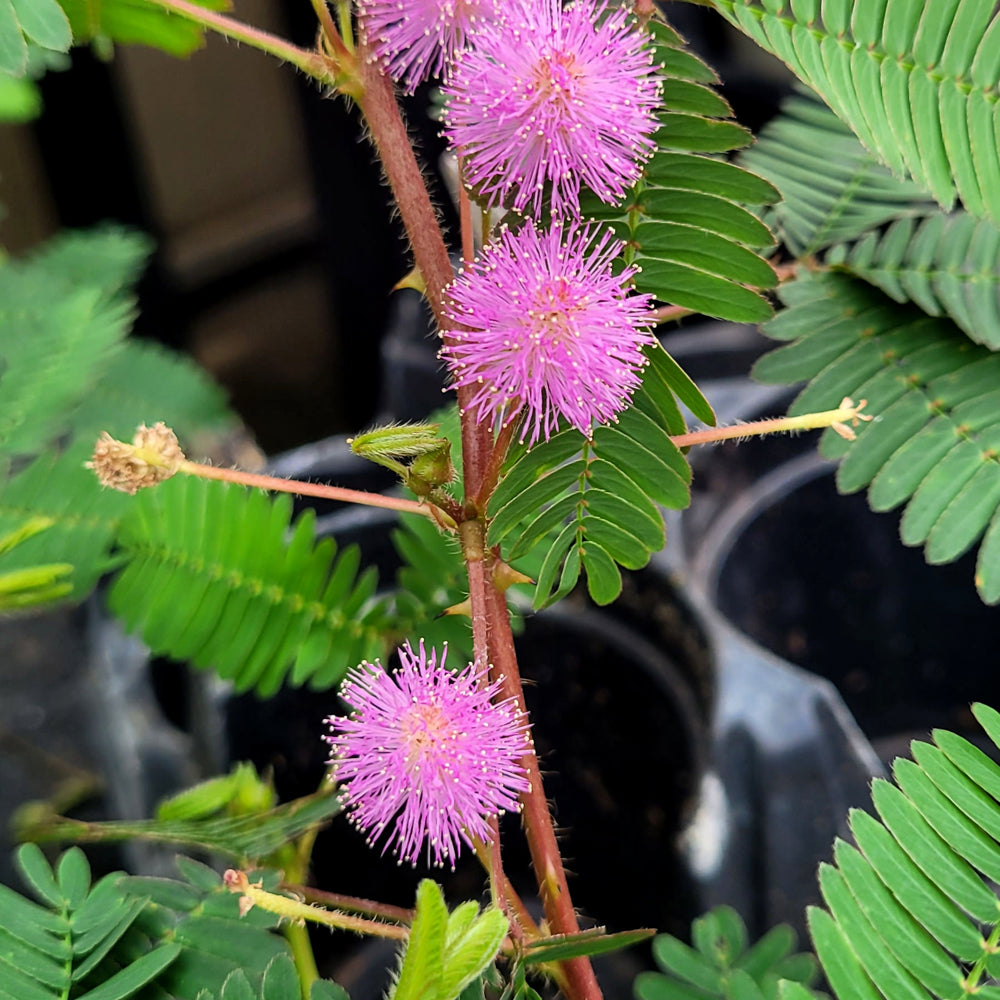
27, 23
686, 223
908, 915
915, 81
833, 190
721, 966
445, 952
63, 943
592, 505
935, 442
946, 264
211, 578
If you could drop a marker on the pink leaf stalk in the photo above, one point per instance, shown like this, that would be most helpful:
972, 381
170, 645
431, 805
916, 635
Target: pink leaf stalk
545, 327
417, 39
428, 753
550, 97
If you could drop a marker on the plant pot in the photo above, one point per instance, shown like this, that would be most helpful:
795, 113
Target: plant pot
620, 700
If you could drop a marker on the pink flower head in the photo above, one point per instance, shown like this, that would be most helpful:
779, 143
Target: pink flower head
546, 327
417, 39
554, 96
428, 750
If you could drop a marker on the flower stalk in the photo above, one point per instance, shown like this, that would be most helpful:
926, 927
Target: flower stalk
843, 420
253, 894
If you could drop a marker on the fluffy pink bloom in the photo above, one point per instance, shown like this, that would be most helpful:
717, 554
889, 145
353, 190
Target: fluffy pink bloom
549, 329
548, 96
427, 751
418, 38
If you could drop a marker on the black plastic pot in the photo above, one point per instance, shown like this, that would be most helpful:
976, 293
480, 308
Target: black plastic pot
620, 700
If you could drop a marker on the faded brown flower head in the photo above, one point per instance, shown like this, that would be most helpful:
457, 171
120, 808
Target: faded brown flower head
153, 455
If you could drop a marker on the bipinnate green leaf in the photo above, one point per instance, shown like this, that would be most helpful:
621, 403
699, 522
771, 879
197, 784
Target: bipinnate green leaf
721, 966
249, 836
913, 911
71, 943
936, 440
213, 578
945, 263
832, 189
134, 22
915, 81
56, 348
686, 222
570, 504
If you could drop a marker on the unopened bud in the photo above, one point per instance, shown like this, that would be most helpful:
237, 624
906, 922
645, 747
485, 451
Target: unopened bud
153, 455
429, 471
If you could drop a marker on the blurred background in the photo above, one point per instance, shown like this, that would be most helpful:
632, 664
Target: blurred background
277, 247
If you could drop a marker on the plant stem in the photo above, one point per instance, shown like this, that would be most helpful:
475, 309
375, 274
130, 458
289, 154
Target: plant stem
545, 857
351, 904
841, 420
490, 616
330, 33
311, 63
277, 485
291, 909
297, 936
388, 132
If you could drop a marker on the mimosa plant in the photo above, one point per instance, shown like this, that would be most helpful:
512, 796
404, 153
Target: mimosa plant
598, 136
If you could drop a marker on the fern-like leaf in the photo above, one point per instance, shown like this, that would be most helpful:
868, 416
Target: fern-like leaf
83, 518
202, 917
917, 82
936, 442
947, 265
109, 257
912, 910
244, 839
592, 505
686, 223
212, 579
720, 965
54, 352
833, 190
51, 949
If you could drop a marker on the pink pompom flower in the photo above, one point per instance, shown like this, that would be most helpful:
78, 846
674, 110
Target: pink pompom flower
428, 752
417, 39
544, 326
552, 97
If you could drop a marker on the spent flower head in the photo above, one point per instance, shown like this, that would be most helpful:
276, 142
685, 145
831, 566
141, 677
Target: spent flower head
544, 326
153, 455
427, 752
417, 39
553, 97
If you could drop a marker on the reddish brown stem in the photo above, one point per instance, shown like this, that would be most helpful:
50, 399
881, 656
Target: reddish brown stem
490, 617
545, 857
388, 132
